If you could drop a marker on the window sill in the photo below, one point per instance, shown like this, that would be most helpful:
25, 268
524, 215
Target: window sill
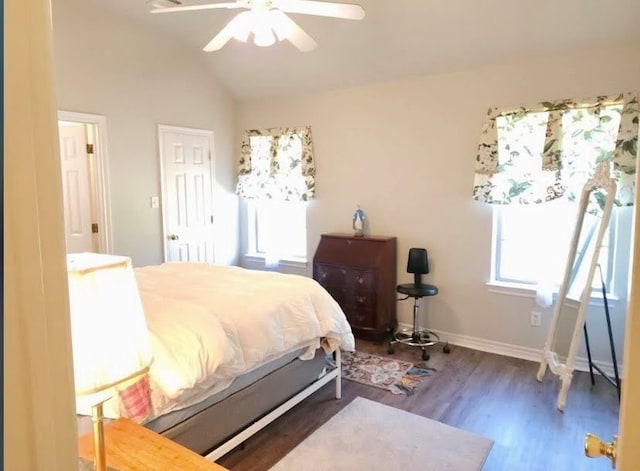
292, 262
527, 291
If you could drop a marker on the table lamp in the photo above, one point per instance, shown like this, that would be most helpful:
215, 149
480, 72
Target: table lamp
111, 345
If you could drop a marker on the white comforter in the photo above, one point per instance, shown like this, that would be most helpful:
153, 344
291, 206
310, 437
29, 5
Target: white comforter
210, 323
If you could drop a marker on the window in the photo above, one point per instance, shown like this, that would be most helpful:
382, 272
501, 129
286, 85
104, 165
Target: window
532, 164
531, 244
277, 178
532, 241
277, 230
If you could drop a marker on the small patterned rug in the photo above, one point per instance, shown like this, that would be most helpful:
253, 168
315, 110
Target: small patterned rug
396, 376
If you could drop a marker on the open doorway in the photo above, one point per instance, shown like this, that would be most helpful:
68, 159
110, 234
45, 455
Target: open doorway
84, 166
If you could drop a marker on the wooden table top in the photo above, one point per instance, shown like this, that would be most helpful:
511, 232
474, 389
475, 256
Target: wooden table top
132, 447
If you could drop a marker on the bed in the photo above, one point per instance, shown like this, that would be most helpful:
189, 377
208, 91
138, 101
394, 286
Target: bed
233, 349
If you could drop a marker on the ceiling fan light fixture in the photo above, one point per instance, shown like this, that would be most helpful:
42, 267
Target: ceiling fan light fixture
263, 36
242, 36
280, 26
241, 26
266, 19
288, 29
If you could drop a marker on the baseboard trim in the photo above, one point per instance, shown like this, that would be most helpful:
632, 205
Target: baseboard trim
514, 351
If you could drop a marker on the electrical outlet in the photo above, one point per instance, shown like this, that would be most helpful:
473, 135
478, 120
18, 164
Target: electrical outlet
536, 318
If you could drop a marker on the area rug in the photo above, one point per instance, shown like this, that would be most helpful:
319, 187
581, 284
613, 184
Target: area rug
397, 376
367, 435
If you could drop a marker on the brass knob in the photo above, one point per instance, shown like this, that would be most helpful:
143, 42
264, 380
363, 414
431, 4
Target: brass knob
173, 237
594, 447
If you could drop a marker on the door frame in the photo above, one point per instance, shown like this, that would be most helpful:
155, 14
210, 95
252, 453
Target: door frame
628, 430
100, 183
167, 128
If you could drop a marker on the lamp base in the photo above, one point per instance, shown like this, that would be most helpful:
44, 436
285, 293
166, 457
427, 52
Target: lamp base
89, 465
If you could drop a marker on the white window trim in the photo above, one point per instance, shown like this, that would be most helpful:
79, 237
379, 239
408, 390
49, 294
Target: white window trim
527, 290
251, 231
292, 262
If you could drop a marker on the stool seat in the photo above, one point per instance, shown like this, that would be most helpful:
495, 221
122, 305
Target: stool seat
417, 291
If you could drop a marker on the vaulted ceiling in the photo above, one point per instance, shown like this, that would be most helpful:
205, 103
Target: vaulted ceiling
398, 39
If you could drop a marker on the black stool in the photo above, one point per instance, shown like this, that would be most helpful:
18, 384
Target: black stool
418, 264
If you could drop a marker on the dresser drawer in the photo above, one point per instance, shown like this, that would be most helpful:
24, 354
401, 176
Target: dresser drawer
362, 300
361, 310
361, 318
331, 275
361, 280
339, 293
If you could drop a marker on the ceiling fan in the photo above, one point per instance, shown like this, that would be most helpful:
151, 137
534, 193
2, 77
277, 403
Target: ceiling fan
266, 19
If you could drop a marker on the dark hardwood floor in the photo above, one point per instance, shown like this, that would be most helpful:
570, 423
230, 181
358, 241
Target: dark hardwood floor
487, 394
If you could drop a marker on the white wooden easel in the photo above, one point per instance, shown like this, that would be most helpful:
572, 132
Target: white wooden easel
600, 180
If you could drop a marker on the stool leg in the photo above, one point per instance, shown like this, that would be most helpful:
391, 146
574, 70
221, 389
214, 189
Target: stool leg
416, 328
416, 305
414, 336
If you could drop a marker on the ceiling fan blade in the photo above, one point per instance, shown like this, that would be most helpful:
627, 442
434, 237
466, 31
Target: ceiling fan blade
163, 3
235, 28
346, 11
286, 28
208, 6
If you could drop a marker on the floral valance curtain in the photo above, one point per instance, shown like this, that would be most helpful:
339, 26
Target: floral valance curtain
541, 153
277, 164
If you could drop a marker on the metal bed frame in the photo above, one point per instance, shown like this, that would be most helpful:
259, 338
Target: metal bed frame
241, 437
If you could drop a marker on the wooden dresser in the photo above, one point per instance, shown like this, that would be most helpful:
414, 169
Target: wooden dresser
360, 274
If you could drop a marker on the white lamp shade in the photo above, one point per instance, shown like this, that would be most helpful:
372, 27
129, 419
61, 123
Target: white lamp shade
109, 331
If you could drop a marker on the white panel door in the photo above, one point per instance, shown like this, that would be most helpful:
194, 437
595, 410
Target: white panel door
75, 186
187, 194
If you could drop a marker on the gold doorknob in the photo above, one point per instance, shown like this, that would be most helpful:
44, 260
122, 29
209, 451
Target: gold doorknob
594, 447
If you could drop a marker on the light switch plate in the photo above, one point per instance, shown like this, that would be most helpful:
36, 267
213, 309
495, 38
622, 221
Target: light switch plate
155, 202
536, 318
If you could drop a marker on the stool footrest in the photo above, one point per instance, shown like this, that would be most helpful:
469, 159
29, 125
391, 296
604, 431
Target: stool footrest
416, 338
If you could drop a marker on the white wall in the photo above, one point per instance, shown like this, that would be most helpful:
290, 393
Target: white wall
405, 151
138, 78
